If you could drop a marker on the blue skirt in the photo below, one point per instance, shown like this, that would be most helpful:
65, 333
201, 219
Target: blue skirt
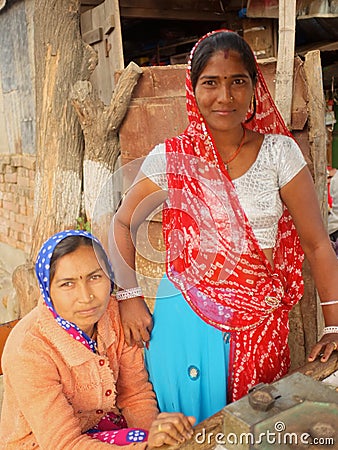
187, 359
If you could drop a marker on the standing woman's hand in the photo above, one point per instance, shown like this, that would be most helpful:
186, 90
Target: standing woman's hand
171, 429
327, 345
136, 321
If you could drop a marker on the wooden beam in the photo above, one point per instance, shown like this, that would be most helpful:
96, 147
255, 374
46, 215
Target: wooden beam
286, 49
172, 9
317, 128
170, 14
318, 370
91, 2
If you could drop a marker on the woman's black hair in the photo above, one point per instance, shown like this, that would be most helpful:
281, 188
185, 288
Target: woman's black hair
72, 243
221, 41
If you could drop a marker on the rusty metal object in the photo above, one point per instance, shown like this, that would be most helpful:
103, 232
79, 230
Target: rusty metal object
322, 430
295, 412
262, 397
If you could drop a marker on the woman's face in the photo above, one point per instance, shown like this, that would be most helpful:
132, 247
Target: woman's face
80, 289
223, 91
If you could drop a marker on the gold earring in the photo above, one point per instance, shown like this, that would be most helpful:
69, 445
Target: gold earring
252, 102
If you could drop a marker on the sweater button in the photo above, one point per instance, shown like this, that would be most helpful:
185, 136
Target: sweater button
101, 362
99, 411
108, 392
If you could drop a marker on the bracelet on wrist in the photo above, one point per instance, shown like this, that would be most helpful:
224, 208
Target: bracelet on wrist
331, 302
129, 293
328, 330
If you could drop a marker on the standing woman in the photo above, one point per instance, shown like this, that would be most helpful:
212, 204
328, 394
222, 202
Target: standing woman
70, 380
240, 206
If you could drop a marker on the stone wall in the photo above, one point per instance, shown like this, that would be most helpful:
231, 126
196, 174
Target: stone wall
17, 177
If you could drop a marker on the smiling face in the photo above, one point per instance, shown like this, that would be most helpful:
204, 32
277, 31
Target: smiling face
223, 91
80, 289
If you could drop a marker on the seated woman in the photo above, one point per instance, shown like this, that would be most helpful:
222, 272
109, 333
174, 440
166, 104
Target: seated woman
70, 380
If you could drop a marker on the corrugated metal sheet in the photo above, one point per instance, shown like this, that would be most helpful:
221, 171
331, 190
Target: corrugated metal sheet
17, 79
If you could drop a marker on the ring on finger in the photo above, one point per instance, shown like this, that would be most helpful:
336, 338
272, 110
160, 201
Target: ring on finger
335, 346
159, 427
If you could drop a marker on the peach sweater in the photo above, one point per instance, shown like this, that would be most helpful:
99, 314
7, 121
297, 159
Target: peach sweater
55, 389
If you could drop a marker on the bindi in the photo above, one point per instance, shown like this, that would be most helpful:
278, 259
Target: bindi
226, 54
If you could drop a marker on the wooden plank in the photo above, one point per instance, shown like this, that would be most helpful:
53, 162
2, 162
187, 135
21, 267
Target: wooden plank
205, 5
317, 128
93, 36
109, 24
171, 14
257, 8
173, 9
260, 35
286, 50
110, 51
318, 370
102, 78
317, 143
86, 22
299, 112
91, 2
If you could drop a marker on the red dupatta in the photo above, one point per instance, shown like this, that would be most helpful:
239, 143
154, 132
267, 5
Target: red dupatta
214, 258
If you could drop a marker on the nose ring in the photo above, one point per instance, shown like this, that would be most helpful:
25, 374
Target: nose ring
231, 98
91, 296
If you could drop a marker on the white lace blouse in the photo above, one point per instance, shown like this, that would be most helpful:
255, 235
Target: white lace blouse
278, 161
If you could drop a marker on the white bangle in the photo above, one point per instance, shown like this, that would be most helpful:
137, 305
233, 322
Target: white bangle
331, 302
129, 293
328, 330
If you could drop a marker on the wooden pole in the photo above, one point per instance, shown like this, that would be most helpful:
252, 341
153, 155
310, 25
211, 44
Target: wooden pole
318, 152
317, 127
286, 49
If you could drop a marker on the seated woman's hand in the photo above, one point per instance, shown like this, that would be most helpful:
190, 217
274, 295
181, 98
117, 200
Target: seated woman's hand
136, 321
170, 429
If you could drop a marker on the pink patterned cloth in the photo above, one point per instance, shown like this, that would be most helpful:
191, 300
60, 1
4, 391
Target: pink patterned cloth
113, 429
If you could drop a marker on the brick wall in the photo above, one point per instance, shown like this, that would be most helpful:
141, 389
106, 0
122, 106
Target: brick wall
17, 178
